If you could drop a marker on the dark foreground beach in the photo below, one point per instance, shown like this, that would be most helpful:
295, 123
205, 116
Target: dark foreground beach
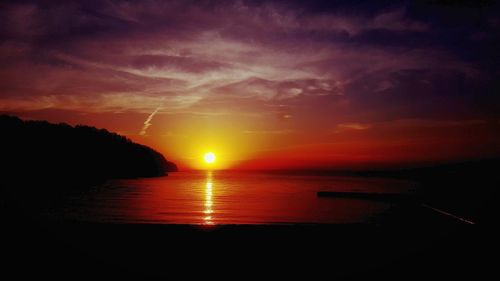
433, 247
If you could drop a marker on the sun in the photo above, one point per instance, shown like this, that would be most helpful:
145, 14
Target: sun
209, 157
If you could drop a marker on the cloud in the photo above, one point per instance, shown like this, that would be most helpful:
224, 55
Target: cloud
429, 123
409, 124
396, 20
148, 123
352, 126
269, 132
125, 56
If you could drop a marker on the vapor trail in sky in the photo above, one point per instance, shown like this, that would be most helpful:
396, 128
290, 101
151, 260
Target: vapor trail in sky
148, 123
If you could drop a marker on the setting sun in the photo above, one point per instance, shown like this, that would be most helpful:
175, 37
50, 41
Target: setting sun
209, 158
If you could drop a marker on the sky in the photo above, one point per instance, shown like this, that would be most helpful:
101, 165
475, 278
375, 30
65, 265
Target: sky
263, 84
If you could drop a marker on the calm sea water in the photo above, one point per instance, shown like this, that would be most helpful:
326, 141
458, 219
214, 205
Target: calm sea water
222, 197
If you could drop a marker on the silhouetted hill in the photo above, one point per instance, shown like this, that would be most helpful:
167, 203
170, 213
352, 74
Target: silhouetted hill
40, 155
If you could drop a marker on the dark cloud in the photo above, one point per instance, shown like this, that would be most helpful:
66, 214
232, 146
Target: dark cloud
402, 57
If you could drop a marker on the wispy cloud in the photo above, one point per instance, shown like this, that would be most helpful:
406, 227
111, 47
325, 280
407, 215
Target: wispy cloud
148, 123
351, 126
287, 53
269, 132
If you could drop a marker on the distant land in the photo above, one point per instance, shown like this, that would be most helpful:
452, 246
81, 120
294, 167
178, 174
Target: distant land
43, 158
468, 188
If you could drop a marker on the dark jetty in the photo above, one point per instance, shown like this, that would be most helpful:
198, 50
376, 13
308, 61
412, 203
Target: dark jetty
385, 197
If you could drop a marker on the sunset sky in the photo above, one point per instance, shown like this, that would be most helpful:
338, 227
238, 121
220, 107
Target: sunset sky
263, 84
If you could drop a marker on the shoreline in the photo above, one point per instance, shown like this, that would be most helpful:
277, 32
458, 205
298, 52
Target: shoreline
160, 251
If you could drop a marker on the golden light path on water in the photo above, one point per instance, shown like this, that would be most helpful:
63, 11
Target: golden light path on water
213, 197
208, 200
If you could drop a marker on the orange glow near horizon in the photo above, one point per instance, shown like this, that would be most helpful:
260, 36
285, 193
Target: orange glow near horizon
292, 144
255, 84
375, 144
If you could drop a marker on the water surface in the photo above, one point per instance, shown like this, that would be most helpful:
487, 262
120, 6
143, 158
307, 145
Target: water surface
221, 197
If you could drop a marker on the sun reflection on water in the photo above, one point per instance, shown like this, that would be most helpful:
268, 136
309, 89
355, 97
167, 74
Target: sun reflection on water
208, 200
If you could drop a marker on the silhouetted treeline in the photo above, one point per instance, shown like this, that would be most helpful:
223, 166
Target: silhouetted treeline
49, 156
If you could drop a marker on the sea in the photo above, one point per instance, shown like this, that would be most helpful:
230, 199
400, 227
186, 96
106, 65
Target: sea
231, 198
